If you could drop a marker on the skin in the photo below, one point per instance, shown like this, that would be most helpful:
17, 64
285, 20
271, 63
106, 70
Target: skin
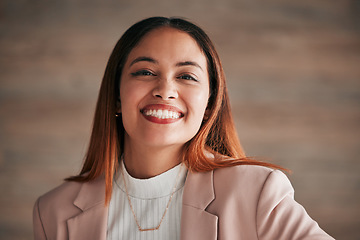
168, 71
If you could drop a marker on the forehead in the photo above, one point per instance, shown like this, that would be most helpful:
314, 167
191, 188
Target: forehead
169, 44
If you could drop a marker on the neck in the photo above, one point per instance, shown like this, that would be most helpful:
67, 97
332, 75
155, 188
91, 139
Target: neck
145, 162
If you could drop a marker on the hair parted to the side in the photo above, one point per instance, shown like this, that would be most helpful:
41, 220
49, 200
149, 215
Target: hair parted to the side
216, 135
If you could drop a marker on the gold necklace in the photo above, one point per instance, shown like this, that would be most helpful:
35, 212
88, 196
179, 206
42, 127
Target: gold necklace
167, 206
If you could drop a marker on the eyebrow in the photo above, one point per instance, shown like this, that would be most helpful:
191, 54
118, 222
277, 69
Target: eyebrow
179, 64
141, 59
188, 63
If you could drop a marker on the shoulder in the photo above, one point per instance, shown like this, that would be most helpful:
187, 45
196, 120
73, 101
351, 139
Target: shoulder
242, 182
71, 192
61, 195
244, 171
249, 176
59, 201
263, 196
52, 209
250, 185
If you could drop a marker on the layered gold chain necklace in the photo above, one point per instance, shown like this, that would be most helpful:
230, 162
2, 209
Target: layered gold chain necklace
166, 209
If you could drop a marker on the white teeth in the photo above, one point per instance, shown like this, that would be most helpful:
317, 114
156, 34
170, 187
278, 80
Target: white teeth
162, 114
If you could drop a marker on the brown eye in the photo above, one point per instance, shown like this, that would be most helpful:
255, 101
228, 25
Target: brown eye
143, 73
187, 77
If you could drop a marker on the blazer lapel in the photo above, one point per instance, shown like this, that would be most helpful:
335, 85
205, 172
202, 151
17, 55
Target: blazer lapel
91, 222
196, 222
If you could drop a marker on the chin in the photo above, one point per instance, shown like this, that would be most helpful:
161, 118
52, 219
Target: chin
161, 141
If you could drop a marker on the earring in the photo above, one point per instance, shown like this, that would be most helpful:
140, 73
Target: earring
117, 114
206, 114
205, 118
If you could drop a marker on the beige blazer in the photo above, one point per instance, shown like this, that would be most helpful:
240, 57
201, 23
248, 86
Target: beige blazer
242, 202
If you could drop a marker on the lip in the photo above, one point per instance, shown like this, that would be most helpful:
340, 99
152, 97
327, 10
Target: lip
161, 107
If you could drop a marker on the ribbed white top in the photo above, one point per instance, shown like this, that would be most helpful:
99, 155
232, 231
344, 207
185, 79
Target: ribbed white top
149, 198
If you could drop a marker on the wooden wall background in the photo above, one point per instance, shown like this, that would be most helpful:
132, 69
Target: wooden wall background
292, 70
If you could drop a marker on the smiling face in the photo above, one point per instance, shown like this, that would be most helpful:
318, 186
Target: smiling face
164, 89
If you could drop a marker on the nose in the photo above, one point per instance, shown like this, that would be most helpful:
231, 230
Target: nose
165, 89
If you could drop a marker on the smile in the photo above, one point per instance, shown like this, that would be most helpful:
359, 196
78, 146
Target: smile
161, 113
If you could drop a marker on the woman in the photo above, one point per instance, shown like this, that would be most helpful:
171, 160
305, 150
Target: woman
164, 160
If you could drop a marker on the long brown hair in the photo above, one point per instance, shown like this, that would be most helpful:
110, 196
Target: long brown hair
216, 135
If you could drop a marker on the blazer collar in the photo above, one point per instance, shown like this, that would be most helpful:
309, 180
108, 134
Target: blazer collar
196, 222
91, 222
200, 185
91, 194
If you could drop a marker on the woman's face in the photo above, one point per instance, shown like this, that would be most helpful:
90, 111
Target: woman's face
164, 89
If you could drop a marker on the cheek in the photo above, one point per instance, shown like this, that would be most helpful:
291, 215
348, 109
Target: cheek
130, 95
198, 101
129, 101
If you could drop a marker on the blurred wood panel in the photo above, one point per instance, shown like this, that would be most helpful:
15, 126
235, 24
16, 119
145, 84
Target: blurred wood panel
293, 76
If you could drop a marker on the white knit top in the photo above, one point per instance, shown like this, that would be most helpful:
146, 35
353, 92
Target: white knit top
149, 198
